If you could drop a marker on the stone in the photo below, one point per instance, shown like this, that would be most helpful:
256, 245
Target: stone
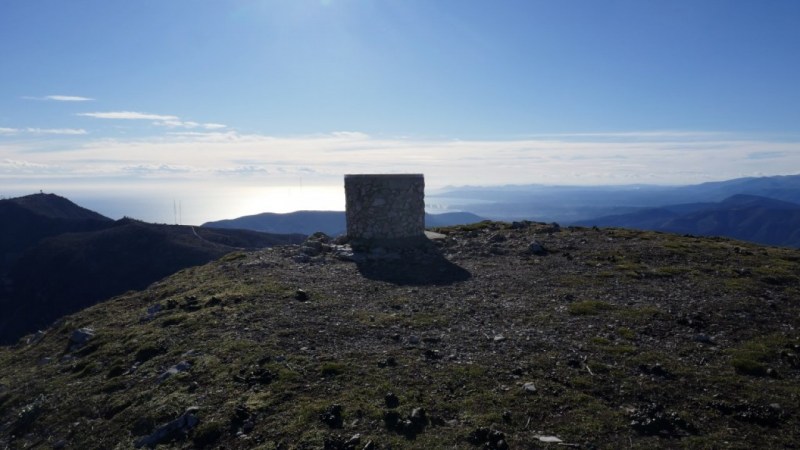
35, 338
432, 354
537, 248
529, 387
391, 400
391, 419
384, 208
653, 420
489, 438
174, 370
703, 339
332, 416
175, 429
301, 295
80, 337
152, 311
418, 416
301, 258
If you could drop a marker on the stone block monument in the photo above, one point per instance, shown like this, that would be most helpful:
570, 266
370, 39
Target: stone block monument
385, 210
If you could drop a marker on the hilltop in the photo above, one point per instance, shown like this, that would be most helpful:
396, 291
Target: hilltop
26, 220
54, 207
495, 336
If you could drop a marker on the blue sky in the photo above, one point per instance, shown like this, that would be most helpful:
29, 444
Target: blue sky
165, 99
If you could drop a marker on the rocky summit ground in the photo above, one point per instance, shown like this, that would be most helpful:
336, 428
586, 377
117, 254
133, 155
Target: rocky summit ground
497, 336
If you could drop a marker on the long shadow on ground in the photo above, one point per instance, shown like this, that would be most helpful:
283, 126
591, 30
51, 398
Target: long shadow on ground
420, 265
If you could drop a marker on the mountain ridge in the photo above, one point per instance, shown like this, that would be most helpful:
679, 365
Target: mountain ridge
747, 217
332, 223
571, 204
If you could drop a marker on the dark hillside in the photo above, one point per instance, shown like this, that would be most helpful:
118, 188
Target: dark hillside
747, 217
65, 273
497, 336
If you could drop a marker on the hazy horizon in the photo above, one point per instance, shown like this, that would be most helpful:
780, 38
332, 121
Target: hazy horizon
196, 207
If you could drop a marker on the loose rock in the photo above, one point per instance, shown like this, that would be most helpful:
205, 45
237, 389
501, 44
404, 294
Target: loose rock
332, 416
177, 429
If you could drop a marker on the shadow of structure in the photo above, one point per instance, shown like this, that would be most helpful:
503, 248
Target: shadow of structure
418, 264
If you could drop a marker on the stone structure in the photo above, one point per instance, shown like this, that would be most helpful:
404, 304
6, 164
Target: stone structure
385, 210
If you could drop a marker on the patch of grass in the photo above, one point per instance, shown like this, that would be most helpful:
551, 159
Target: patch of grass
332, 369
754, 357
207, 433
747, 366
233, 256
626, 333
638, 314
588, 307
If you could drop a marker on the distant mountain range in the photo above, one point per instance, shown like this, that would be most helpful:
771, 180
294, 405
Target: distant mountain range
58, 257
746, 217
332, 223
570, 204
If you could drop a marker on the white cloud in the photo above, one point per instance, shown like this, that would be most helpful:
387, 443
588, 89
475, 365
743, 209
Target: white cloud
64, 131
56, 131
144, 169
61, 98
161, 120
68, 98
322, 159
21, 167
350, 135
129, 115
652, 134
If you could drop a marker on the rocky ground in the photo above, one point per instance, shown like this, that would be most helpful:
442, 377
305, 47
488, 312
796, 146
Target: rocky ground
496, 336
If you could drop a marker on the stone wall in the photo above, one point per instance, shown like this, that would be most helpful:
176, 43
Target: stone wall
385, 208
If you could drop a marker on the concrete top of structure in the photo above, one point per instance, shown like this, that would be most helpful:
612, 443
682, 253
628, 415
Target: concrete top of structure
385, 175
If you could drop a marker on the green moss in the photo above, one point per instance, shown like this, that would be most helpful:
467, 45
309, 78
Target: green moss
233, 256
332, 369
588, 307
638, 314
626, 333
747, 366
208, 433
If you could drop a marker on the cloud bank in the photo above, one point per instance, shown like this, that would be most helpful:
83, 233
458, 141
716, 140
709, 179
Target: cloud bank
225, 174
231, 157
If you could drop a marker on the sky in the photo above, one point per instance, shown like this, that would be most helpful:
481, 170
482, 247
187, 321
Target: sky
237, 107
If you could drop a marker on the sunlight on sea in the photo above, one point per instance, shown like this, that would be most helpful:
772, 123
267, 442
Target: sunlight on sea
199, 205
